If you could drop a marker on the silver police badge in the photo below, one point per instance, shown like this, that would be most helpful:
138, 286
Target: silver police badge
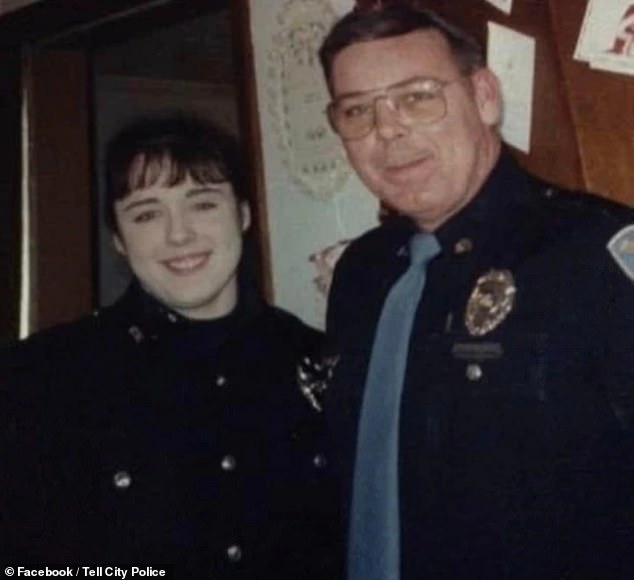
490, 302
313, 376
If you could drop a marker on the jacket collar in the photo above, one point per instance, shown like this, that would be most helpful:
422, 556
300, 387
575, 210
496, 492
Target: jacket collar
493, 212
493, 216
147, 321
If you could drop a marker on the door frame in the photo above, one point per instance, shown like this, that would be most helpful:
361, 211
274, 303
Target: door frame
47, 22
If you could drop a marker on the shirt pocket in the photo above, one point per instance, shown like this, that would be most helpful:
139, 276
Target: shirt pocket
501, 367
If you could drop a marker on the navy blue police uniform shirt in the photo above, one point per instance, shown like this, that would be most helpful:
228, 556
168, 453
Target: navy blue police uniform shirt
516, 453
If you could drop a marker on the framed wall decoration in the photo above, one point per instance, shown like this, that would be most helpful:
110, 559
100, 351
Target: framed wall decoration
297, 98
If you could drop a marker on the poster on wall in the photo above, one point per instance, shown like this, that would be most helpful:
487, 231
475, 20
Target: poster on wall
606, 40
503, 5
511, 56
298, 97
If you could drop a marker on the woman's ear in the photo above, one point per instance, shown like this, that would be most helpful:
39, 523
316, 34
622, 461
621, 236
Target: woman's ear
119, 245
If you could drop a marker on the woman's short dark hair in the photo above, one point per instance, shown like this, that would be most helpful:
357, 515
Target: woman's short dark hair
394, 20
173, 147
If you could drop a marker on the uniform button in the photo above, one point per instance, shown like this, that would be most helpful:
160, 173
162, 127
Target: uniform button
221, 381
474, 372
122, 480
136, 334
228, 463
234, 553
463, 246
319, 461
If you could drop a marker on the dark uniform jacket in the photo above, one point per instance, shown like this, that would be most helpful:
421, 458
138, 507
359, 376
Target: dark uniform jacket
516, 452
137, 437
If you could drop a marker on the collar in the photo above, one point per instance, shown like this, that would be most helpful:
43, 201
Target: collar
491, 215
147, 321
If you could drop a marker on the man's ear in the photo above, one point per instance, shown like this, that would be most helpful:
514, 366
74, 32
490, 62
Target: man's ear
245, 216
488, 96
119, 245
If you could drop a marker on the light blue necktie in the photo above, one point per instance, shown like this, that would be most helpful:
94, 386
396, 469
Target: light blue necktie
374, 533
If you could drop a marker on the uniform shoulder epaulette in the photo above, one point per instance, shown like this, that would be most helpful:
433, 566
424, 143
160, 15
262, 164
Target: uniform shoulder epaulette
587, 201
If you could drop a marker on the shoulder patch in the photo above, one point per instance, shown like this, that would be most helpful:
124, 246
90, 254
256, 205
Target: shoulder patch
621, 246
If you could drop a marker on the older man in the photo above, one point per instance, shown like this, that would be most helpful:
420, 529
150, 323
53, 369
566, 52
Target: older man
482, 401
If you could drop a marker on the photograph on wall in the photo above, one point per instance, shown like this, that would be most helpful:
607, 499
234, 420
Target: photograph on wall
511, 56
606, 40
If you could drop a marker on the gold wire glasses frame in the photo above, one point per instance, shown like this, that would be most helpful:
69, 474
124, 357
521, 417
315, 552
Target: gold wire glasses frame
419, 100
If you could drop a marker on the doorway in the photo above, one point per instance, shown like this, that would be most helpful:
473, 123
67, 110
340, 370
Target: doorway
85, 75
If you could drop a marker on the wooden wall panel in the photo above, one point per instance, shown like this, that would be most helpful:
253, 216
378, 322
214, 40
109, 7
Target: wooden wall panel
602, 104
258, 239
60, 167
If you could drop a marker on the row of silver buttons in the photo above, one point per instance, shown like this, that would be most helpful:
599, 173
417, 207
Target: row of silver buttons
123, 480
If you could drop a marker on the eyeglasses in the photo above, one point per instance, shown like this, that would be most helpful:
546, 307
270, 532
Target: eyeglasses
415, 101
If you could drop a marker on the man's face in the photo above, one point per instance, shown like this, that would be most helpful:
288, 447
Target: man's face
184, 243
426, 171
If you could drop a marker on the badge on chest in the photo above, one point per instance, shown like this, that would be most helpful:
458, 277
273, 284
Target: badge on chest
490, 302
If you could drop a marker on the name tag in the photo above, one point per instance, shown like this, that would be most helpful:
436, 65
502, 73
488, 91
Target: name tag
477, 350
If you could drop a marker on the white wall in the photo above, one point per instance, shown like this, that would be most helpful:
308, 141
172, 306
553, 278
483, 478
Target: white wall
299, 224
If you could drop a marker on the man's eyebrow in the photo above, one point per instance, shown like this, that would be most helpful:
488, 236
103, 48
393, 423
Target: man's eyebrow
407, 81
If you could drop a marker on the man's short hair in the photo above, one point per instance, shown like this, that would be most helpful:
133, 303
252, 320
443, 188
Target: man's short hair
395, 20
177, 147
